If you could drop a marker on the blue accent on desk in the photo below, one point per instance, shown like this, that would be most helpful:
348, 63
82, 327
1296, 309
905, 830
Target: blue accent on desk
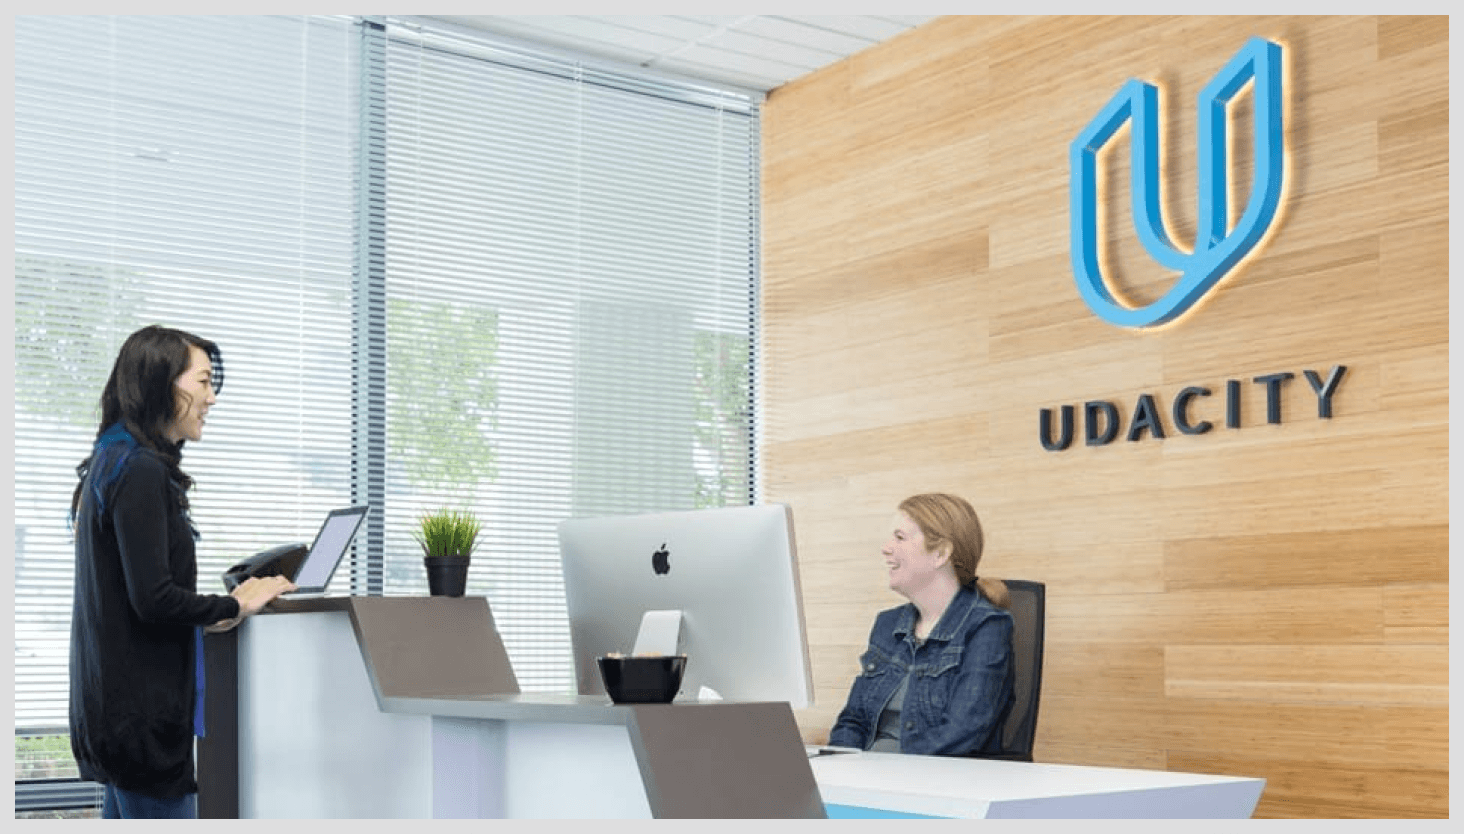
856, 812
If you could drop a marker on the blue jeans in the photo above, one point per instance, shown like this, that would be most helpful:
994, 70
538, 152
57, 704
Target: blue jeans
118, 804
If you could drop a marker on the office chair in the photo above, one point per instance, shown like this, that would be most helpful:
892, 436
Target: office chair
1028, 609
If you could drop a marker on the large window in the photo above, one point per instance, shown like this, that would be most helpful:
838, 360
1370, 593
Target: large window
442, 272
568, 312
198, 173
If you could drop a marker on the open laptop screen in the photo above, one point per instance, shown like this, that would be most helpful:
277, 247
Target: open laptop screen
330, 546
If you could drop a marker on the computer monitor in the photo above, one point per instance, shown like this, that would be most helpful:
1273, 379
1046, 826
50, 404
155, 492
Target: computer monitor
731, 571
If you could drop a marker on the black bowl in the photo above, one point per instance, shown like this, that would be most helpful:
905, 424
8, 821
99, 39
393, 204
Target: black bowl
642, 680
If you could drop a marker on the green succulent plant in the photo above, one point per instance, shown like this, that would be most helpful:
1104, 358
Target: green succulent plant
447, 533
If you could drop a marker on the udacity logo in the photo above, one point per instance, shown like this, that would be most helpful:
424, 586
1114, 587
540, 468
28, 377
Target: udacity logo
1218, 246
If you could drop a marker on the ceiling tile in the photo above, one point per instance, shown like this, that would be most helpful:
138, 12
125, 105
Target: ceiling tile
681, 28
757, 52
600, 33
871, 27
751, 46
788, 30
707, 56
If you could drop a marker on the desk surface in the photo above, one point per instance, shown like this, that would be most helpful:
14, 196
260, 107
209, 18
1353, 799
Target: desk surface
888, 783
355, 709
960, 787
553, 707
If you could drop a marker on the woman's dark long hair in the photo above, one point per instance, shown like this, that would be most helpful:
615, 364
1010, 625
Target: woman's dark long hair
140, 395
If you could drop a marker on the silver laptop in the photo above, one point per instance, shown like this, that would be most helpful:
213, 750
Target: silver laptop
330, 546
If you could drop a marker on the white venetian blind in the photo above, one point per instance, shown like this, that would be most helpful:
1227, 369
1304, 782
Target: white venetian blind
442, 272
570, 260
195, 172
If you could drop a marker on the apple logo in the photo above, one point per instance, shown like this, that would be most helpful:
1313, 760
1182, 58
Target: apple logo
661, 560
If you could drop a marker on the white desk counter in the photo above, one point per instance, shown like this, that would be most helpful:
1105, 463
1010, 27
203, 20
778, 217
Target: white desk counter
891, 784
407, 707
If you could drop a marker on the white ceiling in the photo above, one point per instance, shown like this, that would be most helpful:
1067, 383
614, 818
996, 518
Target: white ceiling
753, 52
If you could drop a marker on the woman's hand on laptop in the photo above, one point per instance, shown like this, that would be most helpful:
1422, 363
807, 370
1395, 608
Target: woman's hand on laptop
257, 591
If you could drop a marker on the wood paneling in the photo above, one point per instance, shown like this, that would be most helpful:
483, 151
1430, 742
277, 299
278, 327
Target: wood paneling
1304, 788
1310, 674
1269, 600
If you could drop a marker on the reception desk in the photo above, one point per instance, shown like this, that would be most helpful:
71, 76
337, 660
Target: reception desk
382, 707
378, 707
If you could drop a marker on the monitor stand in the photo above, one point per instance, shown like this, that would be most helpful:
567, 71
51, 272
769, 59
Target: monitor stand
660, 633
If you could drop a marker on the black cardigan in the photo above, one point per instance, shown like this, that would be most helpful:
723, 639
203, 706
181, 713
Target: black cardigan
133, 615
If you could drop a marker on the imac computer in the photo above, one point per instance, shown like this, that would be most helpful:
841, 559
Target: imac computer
728, 577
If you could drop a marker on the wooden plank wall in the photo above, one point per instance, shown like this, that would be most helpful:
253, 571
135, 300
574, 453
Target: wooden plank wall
1270, 600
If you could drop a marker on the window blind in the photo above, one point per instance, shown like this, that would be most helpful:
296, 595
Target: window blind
194, 172
443, 271
571, 265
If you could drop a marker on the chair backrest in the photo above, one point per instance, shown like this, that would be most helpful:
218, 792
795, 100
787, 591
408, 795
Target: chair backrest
1029, 612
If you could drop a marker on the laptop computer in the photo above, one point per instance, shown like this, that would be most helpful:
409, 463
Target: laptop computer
330, 546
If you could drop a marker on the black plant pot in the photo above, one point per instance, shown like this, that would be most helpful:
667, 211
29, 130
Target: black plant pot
447, 576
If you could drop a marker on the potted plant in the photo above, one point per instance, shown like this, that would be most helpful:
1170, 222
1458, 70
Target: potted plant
448, 539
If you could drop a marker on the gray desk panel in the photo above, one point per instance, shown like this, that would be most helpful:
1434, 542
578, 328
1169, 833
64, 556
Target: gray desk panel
724, 761
431, 647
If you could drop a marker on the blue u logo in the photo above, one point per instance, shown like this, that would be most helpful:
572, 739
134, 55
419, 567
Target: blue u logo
1218, 248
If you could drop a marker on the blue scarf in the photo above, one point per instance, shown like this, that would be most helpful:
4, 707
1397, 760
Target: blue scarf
109, 457
114, 447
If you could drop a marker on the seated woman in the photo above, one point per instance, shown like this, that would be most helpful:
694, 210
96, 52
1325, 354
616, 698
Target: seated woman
937, 676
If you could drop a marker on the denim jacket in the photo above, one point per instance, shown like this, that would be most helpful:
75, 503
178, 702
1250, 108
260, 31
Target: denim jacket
961, 683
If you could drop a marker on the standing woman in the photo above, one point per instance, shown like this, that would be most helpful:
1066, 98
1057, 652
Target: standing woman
137, 618
937, 675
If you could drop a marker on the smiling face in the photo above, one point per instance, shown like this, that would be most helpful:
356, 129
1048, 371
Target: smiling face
912, 565
193, 390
